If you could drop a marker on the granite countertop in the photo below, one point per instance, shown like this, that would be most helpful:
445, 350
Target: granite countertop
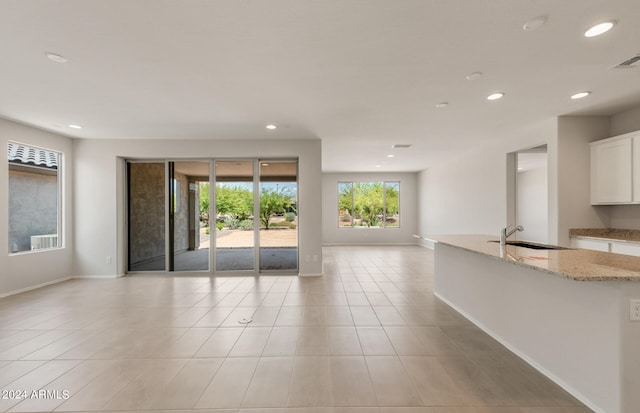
575, 264
625, 235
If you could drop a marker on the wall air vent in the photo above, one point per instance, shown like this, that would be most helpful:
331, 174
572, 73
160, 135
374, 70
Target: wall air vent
401, 146
629, 63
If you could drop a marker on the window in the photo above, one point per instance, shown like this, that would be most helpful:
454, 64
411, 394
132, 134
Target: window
369, 204
34, 198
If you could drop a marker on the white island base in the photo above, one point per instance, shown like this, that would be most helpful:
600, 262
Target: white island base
577, 333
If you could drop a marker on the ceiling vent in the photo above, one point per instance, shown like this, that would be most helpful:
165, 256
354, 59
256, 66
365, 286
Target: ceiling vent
629, 63
401, 146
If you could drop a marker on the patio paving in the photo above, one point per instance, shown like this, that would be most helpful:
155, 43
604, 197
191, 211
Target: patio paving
278, 251
268, 238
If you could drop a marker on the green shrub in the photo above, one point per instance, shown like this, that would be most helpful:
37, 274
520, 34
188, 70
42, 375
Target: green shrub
231, 223
219, 225
246, 225
290, 216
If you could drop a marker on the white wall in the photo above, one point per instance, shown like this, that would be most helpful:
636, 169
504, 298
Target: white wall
468, 195
625, 216
574, 174
100, 186
532, 202
331, 234
625, 122
26, 270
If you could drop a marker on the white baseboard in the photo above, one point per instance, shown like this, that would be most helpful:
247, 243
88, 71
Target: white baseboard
80, 277
367, 244
311, 275
424, 244
524, 357
34, 287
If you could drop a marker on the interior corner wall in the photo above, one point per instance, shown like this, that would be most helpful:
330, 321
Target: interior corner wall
468, 194
574, 174
31, 269
100, 192
625, 216
332, 235
625, 122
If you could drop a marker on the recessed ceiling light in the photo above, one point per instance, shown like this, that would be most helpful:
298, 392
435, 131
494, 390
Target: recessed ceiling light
474, 75
390, 156
599, 29
56, 57
378, 166
442, 105
265, 164
72, 126
271, 127
535, 23
580, 95
495, 96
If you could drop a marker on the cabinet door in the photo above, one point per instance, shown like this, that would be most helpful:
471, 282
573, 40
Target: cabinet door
636, 168
589, 244
611, 181
625, 248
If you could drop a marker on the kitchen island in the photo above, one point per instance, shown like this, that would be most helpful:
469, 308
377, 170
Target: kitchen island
566, 312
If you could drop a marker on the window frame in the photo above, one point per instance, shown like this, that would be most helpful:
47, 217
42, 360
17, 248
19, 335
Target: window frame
353, 184
59, 174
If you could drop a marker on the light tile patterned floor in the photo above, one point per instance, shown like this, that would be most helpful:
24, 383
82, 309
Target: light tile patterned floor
368, 337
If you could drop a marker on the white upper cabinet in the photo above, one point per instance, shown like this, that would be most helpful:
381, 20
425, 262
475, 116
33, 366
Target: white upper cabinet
615, 170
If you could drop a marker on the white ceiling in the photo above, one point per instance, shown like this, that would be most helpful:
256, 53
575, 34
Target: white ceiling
360, 75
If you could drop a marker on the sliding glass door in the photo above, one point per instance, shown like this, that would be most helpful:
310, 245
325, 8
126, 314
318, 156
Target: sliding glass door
235, 212
168, 212
189, 215
146, 216
245, 220
278, 215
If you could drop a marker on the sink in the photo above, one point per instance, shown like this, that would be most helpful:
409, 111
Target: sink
532, 245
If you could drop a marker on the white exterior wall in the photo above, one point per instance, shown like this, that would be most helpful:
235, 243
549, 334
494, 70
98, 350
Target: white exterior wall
100, 192
331, 234
30, 269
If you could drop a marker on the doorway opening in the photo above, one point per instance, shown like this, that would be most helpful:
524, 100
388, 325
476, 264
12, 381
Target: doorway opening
531, 193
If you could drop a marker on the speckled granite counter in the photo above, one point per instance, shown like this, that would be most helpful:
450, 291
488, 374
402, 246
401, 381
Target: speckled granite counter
576, 264
624, 235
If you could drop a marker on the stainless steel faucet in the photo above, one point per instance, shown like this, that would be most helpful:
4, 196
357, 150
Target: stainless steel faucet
506, 233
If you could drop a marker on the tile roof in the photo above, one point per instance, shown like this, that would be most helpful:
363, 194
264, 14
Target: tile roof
35, 156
